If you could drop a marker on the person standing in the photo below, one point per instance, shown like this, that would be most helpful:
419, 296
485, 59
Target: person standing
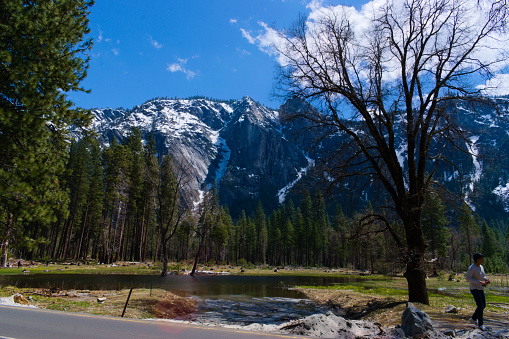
478, 281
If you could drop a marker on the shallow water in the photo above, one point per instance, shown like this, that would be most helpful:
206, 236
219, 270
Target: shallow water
222, 299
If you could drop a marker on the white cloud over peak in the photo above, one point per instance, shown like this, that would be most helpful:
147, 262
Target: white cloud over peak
268, 40
179, 66
471, 19
496, 86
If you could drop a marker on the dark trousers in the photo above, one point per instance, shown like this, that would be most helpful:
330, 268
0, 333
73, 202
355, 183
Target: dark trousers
480, 301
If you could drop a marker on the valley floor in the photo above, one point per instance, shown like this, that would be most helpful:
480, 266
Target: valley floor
375, 298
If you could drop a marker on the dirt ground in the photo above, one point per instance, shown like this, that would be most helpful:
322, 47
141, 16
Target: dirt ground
388, 311
143, 303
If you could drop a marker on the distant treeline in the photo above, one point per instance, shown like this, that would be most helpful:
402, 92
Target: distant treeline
119, 207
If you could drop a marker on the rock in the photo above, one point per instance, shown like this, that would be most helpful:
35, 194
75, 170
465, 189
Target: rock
331, 326
450, 333
100, 300
19, 299
451, 309
478, 334
415, 322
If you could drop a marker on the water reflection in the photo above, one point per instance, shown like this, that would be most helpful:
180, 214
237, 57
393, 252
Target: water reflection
230, 299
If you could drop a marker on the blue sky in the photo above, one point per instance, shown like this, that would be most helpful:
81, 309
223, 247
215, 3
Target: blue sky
146, 49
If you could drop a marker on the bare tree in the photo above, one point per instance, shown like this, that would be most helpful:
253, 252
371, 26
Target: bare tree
389, 71
209, 211
171, 204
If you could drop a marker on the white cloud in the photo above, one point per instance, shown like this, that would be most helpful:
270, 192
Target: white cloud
115, 51
471, 18
100, 37
496, 86
233, 21
154, 43
175, 67
243, 51
248, 36
268, 40
179, 67
315, 4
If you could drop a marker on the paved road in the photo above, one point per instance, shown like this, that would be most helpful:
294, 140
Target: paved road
19, 322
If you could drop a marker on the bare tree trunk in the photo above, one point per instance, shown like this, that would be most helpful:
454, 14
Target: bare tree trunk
415, 273
78, 252
54, 235
193, 272
5, 244
164, 259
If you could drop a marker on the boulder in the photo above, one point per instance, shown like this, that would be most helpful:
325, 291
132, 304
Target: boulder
100, 300
415, 322
331, 326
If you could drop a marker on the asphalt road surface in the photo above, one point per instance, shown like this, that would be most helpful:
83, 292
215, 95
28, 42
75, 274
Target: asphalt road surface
20, 322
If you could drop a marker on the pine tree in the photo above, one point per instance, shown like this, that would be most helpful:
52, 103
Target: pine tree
489, 249
95, 198
434, 222
469, 228
42, 58
261, 234
339, 241
134, 207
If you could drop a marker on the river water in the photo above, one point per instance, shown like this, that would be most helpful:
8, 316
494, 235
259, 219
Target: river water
221, 299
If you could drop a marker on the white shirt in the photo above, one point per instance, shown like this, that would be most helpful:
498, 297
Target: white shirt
474, 275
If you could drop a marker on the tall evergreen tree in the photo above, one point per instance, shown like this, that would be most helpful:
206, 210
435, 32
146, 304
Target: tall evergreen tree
42, 58
489, 248
434, 222
261, 234
469, 229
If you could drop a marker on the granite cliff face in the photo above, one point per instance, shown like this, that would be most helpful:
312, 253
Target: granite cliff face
254, 153
239, 145
480, 172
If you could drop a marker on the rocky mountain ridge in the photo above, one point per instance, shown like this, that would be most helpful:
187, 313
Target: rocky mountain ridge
254, 153
239, 145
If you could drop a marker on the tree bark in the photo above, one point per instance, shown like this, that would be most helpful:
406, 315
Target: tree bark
5, 243
415, 273
164, 259
193, 272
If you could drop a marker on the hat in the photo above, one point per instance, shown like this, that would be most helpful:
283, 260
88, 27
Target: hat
478, 256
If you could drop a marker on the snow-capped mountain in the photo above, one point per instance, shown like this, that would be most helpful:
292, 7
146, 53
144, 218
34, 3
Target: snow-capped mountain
253, 152
237, 144
480, 173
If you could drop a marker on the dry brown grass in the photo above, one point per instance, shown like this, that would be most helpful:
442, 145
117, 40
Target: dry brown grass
172, 306
143, 303
388, 310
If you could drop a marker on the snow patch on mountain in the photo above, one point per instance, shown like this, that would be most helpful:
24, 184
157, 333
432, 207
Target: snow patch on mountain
476, 175
503, 194
401, 154
283, 192
225, 158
